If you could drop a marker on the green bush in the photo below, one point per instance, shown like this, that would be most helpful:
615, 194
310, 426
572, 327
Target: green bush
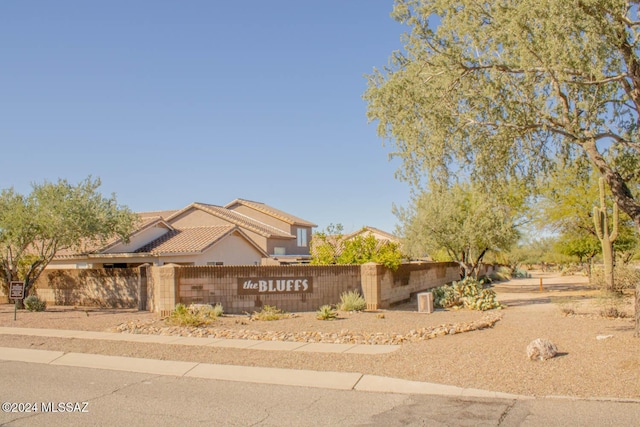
468, 293
195, 314
352, 301
326, 312
268, 313
33, 303
521, 274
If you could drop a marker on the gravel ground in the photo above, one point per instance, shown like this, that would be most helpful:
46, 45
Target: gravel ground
567, 312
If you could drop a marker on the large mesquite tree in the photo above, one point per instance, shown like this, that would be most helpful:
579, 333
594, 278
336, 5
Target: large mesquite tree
54, 216
505, 89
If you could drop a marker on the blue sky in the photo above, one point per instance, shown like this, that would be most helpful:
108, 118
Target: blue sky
172, 102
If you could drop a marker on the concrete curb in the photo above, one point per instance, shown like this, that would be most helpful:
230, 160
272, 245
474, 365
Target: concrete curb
289, 377
279, 376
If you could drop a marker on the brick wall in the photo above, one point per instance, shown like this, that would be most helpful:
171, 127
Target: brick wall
409, 279
159, 289
220, 284
116, 287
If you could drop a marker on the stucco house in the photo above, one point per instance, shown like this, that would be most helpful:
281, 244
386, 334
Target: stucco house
243, 232
336, 241
380, 235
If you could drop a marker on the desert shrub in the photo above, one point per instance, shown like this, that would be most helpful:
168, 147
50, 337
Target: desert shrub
624, 277
269, 312
503, 273
195, 314
33, 303
612, 312
352, 301
521, 274
326, 312
573, 269
468, 293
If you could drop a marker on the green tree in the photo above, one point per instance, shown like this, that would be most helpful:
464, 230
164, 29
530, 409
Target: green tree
331, 247
362, 249
326, 245
461, 220
53, 217
566, 205
583, 246
506, 89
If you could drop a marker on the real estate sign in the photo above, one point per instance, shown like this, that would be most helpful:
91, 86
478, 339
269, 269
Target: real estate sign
274, 285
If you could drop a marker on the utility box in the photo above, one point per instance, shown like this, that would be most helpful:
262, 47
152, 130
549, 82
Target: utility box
425, 302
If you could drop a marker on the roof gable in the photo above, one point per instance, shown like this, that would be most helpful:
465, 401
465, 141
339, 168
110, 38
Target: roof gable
235, 218
378, 234
271, 211
193, 240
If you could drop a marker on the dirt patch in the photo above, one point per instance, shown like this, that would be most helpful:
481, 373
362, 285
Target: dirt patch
492, 358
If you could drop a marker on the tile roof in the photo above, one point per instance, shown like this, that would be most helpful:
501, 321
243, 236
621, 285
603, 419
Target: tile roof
238, 219
270, 210
96, 247
367, 229
196, 239
187, 240
155, 214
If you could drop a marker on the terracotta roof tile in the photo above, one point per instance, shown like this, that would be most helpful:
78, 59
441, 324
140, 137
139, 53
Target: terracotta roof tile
187, 240
155, 214
270, 210
367, 229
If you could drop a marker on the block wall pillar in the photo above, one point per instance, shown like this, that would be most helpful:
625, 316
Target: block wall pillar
165, 289
371, 278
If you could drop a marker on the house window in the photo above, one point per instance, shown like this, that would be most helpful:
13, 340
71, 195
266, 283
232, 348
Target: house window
302, 237
116, 265
279, 251
215, 263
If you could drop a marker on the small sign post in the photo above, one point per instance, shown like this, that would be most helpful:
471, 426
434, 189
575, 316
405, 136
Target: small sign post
16, 292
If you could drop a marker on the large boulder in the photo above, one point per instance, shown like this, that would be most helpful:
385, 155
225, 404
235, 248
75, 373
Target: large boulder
542, 349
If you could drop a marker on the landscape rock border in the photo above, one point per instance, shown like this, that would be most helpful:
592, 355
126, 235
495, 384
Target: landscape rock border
343, 337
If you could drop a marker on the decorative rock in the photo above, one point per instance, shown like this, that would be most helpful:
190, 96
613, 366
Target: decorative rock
542, 349
603, 337
343, 337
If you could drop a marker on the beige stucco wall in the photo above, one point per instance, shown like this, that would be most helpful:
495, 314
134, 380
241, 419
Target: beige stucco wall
290, 245
197, 218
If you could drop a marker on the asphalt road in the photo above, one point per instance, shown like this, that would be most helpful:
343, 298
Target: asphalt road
105, 397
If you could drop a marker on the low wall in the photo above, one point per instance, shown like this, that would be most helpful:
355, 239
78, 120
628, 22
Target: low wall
409, 279
242, 289
246, 289
115, 287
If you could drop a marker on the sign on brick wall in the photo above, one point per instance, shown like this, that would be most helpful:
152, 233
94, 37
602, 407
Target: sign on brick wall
274, 285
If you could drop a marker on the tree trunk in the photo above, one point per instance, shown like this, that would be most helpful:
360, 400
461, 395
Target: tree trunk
637, 333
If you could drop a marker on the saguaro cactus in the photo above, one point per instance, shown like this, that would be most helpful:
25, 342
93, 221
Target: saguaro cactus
606, 236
